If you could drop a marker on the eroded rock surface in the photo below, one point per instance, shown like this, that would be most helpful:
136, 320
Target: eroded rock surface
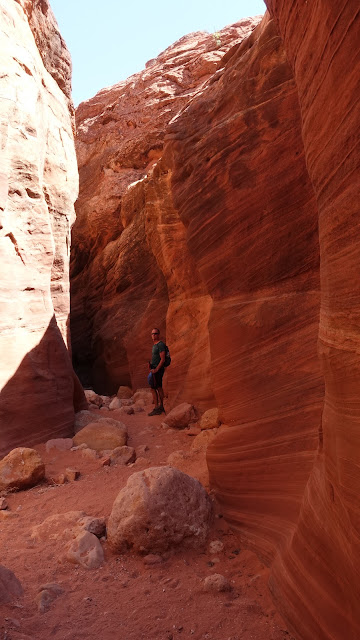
124, 276
222, 236
38, 186
316, 580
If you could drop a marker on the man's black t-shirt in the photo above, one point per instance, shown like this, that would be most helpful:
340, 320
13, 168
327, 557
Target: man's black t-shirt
155, 355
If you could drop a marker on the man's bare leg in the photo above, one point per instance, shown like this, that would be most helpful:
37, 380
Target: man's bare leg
155, 397
161, 397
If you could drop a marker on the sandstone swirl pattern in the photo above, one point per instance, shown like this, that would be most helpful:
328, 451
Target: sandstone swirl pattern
237, 222
319, 573
130, 260
38, 186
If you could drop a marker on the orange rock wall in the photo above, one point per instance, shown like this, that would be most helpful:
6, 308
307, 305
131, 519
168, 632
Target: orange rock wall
131, 267
38, 186
234, 227
318, 577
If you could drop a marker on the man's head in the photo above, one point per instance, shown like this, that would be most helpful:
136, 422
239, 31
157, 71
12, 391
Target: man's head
155, 334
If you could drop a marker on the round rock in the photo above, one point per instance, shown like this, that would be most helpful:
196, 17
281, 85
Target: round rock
20, 469
217, 583
181, 416
159, 508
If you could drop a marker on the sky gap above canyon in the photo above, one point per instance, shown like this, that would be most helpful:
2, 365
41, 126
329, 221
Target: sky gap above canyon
110, 44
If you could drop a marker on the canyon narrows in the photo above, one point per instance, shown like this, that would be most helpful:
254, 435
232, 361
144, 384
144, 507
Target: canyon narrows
218, 200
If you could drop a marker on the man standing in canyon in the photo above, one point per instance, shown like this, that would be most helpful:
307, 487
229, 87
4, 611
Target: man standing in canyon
157, 368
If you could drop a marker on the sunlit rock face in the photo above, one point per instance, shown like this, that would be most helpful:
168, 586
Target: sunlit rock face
130, 262
38, 186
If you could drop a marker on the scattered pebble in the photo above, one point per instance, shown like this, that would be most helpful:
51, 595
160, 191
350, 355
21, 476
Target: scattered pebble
217, 583
72, 474
216, 546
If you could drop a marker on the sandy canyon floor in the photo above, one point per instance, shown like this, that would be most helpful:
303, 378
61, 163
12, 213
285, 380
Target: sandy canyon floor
127, 599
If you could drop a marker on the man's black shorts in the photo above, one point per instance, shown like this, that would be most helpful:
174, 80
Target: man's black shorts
156, 379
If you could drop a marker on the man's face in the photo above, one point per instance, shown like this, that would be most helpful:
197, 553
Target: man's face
155, 335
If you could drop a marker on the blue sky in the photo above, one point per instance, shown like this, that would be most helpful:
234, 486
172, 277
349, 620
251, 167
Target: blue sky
111, 39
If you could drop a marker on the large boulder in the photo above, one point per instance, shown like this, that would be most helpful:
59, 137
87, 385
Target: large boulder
10, 586
159, 508
21, 468
181, 416
101, 436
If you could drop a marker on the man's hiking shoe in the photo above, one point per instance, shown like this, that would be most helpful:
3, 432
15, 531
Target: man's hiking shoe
157, 411
154, 412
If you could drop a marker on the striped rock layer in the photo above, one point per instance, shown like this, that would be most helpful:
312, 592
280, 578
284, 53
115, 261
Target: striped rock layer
225, 213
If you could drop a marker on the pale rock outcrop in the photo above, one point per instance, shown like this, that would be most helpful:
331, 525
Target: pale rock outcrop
38, 187
10, 586
21, 468
101, 436
158, 509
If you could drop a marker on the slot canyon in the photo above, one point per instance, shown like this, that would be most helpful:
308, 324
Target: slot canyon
214, 195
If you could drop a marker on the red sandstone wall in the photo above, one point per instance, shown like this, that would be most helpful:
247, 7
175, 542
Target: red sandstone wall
130, 262
38, 186
219, 240
318, 578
